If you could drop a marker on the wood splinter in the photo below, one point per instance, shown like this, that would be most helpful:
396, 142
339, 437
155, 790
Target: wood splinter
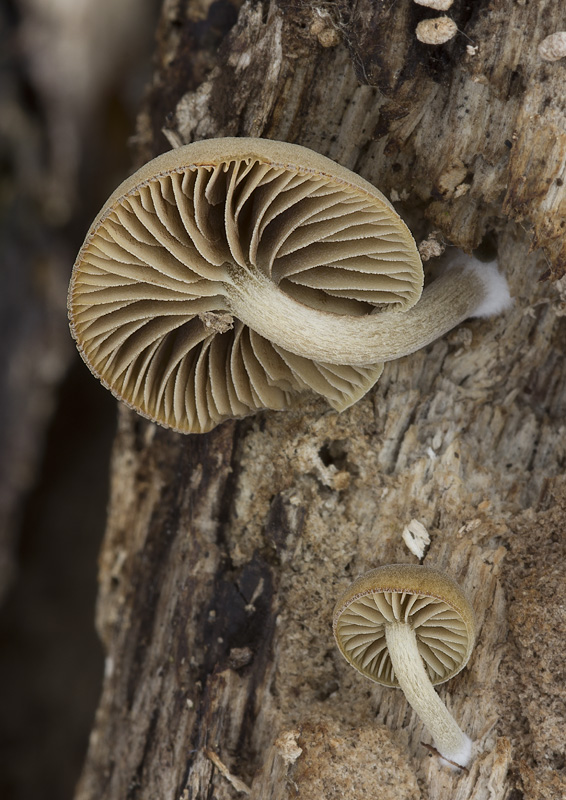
238, 785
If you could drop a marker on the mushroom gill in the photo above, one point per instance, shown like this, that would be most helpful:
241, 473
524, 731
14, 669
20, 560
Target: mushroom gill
236, 274
167, 269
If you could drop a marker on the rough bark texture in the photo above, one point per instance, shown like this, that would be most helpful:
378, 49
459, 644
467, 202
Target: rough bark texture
224, 553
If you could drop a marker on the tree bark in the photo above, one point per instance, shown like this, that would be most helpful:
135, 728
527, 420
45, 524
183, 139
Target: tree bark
225, 552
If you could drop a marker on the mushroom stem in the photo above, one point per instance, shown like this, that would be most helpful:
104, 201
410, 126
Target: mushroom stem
413, 679
462, 291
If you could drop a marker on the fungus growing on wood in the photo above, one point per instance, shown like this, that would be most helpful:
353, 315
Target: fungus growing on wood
412, 627
231, 275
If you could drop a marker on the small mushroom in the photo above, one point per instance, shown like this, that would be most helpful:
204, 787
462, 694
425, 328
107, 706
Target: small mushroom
231, 275
412, 627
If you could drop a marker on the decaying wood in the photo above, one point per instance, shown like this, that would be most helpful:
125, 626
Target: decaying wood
225, 552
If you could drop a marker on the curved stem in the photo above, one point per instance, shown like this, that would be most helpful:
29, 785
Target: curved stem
370, 339
413, 679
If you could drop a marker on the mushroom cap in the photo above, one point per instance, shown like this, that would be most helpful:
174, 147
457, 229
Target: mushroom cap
149, 295
426, 599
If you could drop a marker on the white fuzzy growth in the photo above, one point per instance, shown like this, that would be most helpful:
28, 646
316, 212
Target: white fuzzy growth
461, 757
497, 298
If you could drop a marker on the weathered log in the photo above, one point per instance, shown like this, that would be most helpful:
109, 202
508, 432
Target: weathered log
225, 552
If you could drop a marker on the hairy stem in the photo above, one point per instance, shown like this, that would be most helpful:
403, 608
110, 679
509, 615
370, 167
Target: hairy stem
413, 679
383, 336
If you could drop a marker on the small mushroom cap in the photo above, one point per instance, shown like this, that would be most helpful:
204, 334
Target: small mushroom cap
149, 300
426, 599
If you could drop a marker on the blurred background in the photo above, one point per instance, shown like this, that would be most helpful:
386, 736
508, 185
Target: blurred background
72, 75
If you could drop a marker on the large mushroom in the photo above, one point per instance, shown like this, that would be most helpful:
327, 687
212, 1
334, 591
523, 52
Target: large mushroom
231, 275
412, 627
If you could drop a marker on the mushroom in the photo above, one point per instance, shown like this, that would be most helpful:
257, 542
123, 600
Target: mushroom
231, 275
412, 627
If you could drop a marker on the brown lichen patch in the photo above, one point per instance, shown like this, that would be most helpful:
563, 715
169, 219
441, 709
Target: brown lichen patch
341, 761
533, 680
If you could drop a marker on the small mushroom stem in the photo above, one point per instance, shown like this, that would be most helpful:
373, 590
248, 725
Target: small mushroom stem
413, 679
461, 292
